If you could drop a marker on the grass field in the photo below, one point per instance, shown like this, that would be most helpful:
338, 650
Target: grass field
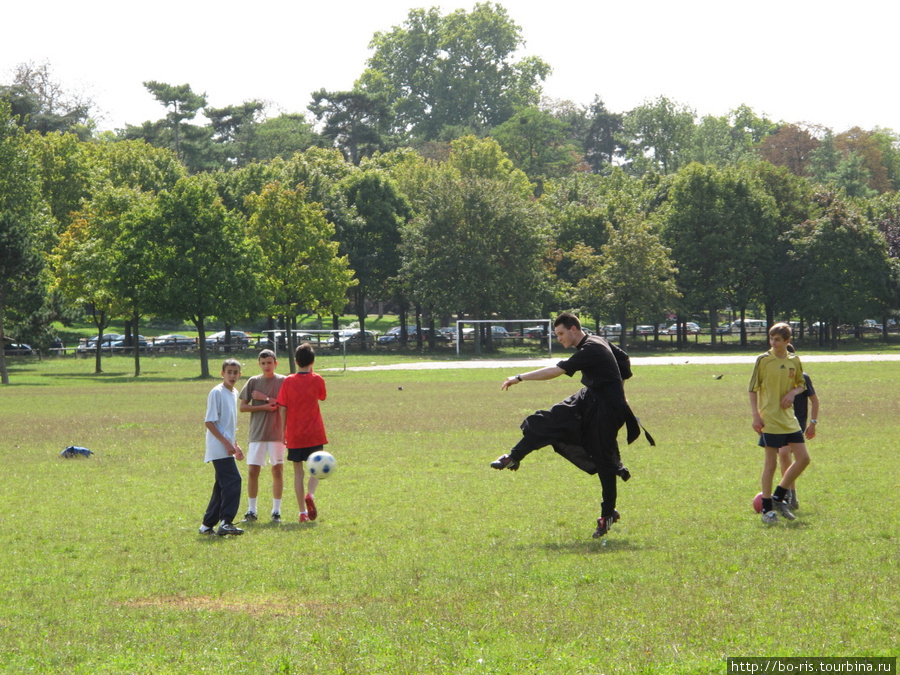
423, 559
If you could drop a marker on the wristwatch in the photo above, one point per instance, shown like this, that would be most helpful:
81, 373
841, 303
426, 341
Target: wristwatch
814, 421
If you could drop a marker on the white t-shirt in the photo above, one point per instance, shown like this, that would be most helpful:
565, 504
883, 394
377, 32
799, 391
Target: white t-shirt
221, 408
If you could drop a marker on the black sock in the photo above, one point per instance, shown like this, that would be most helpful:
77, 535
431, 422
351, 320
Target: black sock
779, 494
767, 504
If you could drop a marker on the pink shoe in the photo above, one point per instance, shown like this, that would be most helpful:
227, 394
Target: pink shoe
304, 518
311, 507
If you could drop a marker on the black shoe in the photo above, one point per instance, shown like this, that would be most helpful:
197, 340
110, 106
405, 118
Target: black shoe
505, 462
228, 528
604, 523
276, 517
249, 517
211, 530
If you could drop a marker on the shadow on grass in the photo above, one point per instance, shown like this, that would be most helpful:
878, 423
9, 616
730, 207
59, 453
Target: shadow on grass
602, 545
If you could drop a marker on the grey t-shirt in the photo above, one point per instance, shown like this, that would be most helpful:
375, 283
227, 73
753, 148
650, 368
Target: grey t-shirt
265, 427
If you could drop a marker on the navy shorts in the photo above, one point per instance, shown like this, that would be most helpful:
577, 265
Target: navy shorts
302, 454
780, 440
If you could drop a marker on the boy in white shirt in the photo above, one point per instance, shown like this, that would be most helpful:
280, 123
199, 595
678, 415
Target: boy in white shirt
222, 450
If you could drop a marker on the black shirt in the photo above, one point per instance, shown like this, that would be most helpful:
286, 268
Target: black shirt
599, 361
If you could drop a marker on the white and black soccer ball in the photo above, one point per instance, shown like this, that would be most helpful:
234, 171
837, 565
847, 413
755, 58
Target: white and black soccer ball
321, 464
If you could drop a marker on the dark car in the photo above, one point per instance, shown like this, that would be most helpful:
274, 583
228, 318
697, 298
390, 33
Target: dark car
122, 345
239, 340
173, 343
535, 332
352, 336
90, 344
17, 349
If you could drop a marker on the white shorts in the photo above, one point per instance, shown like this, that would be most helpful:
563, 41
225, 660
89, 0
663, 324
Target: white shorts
259, 450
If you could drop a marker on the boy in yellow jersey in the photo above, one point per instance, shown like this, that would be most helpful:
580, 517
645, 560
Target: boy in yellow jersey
777, 378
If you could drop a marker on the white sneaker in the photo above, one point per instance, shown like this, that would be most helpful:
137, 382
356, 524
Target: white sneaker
769, 517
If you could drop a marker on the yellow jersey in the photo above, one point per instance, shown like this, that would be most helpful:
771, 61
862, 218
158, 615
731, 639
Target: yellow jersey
772, 378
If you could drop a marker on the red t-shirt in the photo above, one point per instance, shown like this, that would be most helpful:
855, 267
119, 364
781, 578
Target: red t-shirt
300, 395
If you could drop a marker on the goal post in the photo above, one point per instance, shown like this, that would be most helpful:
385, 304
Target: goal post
545, 333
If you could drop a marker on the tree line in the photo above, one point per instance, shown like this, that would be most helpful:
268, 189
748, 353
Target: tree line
443, 184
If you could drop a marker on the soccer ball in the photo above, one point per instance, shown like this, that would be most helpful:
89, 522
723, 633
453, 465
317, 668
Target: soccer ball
321, 464
757, 503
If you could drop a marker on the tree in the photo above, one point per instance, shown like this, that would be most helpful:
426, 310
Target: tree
603, 141
206, 263
659, 135
790, 146
843, 270
296, 239
632, 277
372, 241
84, 260
40, 103
234, 128
354, 121
454, 71
283, 136
720, 226
536, 143
475, 248
192, 144
22, 227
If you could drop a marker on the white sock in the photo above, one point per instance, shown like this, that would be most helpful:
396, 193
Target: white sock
276, 506
204, 528
252, 505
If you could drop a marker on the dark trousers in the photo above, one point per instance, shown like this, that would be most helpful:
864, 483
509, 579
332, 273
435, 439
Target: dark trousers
226, 494
583, 429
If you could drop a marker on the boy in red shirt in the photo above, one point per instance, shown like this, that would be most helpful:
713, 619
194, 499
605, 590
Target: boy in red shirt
304, 431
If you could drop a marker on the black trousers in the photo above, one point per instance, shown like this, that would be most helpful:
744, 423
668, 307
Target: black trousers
583, 429
226, 495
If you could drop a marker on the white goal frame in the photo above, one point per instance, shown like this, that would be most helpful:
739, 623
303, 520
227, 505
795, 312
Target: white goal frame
461, 322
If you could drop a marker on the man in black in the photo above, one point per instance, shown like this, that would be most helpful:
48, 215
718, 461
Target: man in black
584, 427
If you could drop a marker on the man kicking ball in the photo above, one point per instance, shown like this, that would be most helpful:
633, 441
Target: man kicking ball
584, 427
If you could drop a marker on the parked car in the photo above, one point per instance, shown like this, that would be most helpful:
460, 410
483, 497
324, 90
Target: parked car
644, 330
120, 345
352, 336
691, 328
536, 332
173, 343
753, 326
393, 335
612, 330
90, 344
239, 340
17, 349
500, 333
870, 326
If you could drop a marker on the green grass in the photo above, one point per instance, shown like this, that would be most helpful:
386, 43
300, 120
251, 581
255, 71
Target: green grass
423, 559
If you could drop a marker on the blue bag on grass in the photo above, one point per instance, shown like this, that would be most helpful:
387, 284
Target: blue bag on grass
75, 451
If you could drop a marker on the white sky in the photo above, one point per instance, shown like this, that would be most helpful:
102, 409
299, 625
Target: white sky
816, 61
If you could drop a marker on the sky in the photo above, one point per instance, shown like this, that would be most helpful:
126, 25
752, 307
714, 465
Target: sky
802, 61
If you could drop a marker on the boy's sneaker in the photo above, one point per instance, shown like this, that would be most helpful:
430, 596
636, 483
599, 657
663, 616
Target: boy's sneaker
769, 517
276, 517
505, 462
311, 507
792, 500
228, 528
783, 509
210, 530
304, 518
249, 517
604, 523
